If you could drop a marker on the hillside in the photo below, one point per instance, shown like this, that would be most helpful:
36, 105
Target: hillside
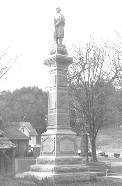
110, 140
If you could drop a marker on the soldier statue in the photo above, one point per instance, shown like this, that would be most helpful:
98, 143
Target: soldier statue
59, 22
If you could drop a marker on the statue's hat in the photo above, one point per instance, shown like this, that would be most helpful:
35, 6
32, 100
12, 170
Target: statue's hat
58, 8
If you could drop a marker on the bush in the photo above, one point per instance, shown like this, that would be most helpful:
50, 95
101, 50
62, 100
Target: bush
116, 155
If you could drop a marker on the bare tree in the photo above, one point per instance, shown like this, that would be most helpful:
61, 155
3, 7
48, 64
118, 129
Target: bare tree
5, 62
94, 70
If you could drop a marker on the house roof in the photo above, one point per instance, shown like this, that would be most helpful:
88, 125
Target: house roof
5, 143
19, 125
28, 125
13, 133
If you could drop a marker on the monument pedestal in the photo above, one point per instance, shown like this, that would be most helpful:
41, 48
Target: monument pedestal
58, 153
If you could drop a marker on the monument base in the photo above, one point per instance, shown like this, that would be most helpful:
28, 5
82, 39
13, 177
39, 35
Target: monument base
60, 162
56, 165
66, 173
67, 178
59, 153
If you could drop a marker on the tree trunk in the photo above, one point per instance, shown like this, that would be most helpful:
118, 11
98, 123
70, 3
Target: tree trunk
84, 146
86, 150
93, 149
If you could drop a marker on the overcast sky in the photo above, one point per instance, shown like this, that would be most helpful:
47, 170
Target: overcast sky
26, 27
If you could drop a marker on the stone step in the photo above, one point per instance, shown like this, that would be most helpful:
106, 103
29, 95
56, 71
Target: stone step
60, 177
58, 160
59, 168
100, 166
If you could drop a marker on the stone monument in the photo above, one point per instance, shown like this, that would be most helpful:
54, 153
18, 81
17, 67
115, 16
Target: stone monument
58, 154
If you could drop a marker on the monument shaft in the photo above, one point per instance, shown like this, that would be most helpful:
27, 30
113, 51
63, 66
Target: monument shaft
58, 108
58, 139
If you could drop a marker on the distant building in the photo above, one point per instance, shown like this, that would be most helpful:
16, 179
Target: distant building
29, 131
19, 139
22, 134
7, 155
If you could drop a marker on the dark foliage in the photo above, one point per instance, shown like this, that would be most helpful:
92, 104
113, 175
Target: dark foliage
25, 104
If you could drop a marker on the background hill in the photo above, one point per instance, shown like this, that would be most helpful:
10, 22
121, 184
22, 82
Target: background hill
110, 139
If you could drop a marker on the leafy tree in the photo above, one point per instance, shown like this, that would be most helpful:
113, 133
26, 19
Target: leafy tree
91, 78
26, 104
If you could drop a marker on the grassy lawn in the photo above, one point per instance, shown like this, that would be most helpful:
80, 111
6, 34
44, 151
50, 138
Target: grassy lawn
9, 181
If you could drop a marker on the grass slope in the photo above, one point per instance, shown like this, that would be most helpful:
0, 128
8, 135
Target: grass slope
110, 140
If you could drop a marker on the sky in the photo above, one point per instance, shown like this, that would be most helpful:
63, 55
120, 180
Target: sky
26, 31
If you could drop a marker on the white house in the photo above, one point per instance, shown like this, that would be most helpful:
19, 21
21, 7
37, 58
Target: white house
29, 131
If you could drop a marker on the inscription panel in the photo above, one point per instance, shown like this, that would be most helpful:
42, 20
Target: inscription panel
52, 119
62, 101
52, 100
62, 79
53, 80
67, 146
63, 119
48, 145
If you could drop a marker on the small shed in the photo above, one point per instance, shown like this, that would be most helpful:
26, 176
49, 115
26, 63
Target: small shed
19, 139
7, 155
